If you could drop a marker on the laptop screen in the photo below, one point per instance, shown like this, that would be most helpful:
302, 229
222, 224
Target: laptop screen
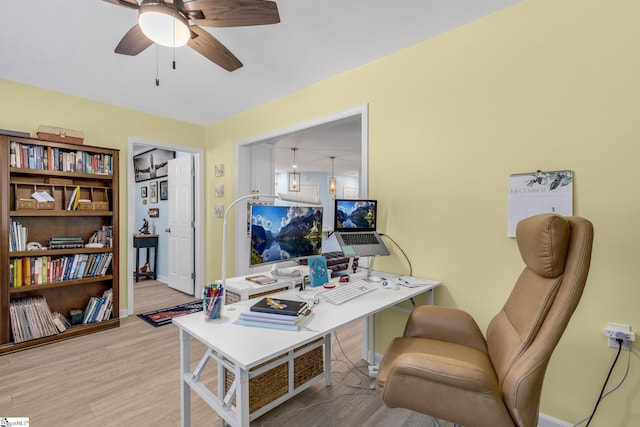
355, 215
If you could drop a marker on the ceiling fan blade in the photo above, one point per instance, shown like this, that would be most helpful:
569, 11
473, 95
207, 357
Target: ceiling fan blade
132, 4
133, 42
209, 47
232, 13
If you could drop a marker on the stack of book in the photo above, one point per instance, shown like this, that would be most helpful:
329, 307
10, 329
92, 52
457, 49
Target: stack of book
99, 309
31, 319
103, 236
276, 314
66, 243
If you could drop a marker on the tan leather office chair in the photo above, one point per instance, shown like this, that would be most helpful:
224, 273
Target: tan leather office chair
444, 367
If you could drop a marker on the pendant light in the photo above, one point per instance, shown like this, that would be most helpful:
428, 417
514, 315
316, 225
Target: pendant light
332, 179
294, 177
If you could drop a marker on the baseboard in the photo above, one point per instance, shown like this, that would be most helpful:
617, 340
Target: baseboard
549, 421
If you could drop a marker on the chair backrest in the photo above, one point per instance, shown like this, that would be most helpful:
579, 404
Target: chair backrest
521, 338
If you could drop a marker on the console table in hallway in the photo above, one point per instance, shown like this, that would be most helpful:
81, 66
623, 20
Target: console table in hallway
146, 241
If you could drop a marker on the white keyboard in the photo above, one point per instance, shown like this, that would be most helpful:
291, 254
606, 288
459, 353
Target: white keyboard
348, 291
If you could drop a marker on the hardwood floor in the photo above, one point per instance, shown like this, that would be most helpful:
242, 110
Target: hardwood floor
128, 376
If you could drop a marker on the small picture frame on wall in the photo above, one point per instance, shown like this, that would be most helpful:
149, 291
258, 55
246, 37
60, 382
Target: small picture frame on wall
219, 169
154, 213
219, 190
219, 211
143, 192
164, 190
153, 188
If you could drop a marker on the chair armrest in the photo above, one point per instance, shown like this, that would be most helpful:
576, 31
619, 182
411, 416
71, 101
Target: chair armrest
445, 324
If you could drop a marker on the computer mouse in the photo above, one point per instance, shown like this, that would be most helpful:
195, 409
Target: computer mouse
387, 284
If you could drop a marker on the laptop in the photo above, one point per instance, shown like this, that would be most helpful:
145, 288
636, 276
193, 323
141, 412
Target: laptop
354, 226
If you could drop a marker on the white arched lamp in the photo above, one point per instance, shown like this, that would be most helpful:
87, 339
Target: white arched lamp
162, 23
279, 196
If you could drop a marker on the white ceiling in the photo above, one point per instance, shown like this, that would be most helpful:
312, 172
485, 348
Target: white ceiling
67, 46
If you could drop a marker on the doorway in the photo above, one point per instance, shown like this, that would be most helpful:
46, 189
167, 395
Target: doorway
137, 145
255, 182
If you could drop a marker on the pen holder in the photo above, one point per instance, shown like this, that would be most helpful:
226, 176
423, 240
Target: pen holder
212, 306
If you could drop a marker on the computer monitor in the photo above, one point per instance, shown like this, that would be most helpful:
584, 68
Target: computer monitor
355, 215
284, 233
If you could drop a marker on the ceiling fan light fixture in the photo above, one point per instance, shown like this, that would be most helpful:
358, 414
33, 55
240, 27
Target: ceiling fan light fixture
164, 25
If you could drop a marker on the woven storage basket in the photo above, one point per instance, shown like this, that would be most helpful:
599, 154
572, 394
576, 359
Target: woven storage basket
270, 385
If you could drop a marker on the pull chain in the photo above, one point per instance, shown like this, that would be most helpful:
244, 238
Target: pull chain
157, 72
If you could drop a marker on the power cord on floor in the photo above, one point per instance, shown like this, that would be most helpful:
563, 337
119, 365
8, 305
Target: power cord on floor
602, 395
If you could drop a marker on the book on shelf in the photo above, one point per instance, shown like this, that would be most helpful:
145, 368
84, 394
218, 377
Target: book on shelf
28, 271
31, 319
42, 196
36, 156
61, 322
280, 306
66, 243
72, 204
98, 308
261, 279
17, 237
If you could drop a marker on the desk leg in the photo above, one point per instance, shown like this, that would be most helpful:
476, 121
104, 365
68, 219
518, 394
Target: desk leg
430, 297
327, 359
185, 369
242, 396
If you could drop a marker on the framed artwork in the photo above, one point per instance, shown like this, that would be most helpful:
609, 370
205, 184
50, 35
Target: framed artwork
164, 190
153, 188
143, 192
219, 169
152, 164
154, 213
219, 190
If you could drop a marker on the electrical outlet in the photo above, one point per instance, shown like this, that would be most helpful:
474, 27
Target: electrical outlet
615, 331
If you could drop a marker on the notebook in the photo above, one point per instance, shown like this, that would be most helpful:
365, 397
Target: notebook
280, 306
355, 228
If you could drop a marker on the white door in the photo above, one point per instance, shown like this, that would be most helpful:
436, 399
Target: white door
181, 225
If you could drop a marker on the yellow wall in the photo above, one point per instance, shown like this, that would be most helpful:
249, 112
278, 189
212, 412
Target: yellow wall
24, 108
547, 85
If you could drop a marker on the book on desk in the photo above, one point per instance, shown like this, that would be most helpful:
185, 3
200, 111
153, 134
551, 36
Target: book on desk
261, 279
279, 306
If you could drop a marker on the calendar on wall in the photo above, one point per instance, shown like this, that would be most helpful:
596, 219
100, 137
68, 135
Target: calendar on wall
539, 192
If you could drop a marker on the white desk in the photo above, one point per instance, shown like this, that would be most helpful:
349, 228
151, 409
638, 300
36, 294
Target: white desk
240, 348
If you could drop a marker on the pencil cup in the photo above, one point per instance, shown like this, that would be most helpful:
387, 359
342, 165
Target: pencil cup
212, 306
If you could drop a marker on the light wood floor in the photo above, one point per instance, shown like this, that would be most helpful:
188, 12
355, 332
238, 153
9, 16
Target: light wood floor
129, 376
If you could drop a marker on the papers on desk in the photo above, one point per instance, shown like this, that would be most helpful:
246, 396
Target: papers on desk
412, 282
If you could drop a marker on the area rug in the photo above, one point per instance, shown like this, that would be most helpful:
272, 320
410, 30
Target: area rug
163, 316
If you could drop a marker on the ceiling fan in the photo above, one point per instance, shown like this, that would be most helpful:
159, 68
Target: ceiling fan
176, 23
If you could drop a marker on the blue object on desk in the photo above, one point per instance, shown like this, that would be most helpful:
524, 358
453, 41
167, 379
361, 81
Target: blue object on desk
318, 270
